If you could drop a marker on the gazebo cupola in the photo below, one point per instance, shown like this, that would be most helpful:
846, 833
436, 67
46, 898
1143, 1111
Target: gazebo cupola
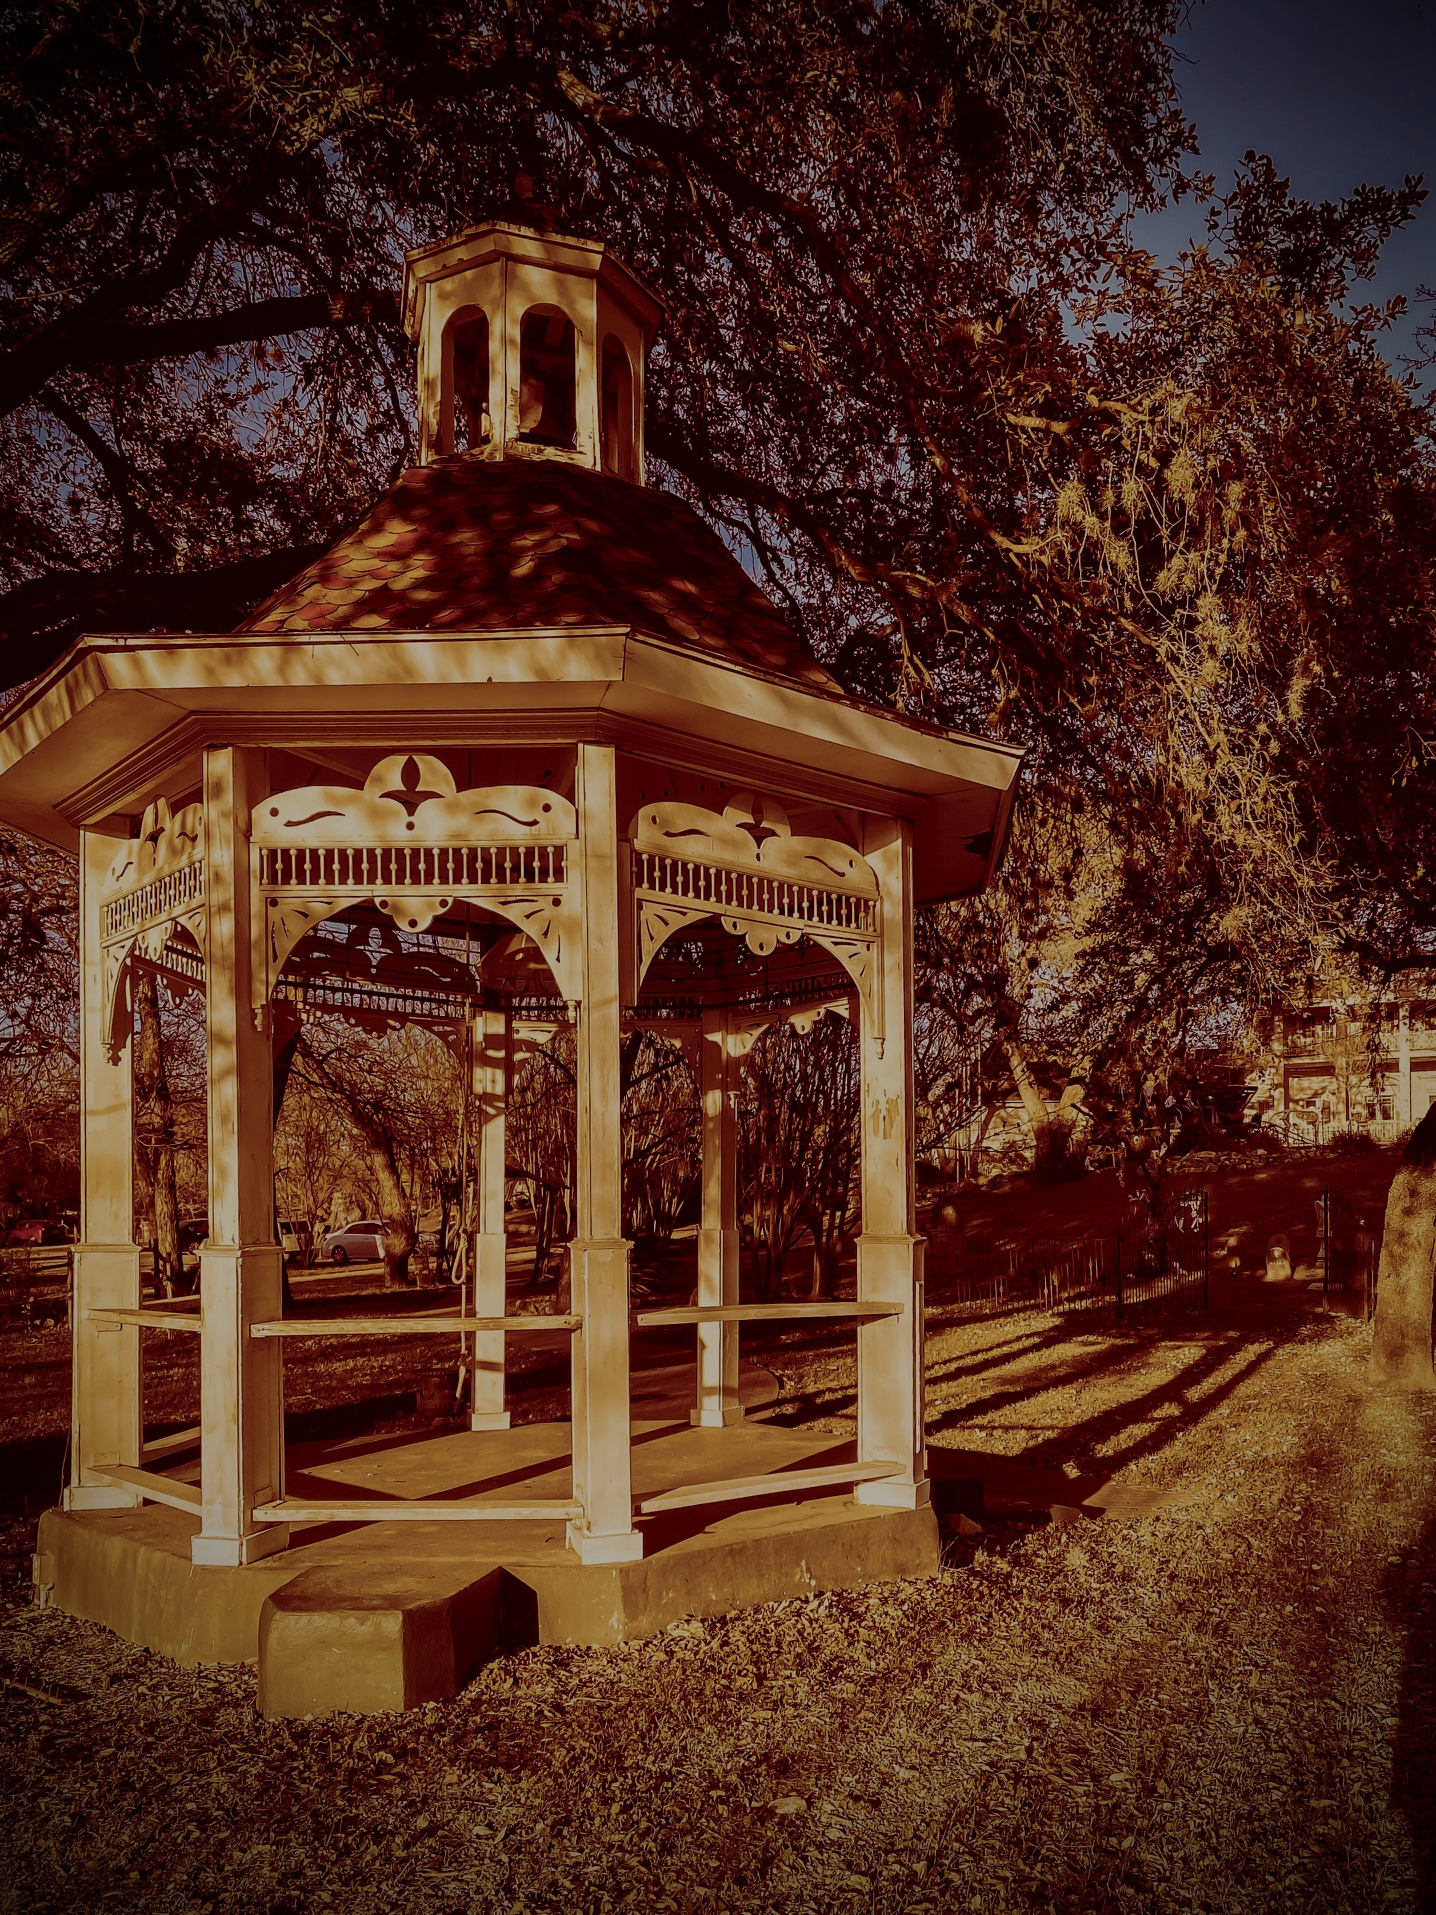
531, 345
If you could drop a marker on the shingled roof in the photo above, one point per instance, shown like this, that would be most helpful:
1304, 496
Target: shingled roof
467, 545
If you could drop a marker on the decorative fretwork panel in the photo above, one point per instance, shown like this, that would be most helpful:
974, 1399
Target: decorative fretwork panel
746, 868
163, 898
154, 888
414, 845
369, 869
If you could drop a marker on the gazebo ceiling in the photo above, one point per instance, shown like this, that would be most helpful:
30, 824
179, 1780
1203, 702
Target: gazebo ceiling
468, 545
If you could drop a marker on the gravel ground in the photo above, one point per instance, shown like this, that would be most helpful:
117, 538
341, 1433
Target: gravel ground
1231, 1705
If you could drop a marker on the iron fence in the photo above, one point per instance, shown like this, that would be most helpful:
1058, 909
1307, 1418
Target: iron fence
35, 1281
1150, 1265
1348, 1253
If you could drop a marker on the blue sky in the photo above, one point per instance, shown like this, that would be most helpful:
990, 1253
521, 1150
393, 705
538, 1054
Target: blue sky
1336, 94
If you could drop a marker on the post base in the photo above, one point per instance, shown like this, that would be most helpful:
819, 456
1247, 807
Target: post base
717, 1419
889, 1493
100, 1496
234, 1552
626, 1548
489, 1420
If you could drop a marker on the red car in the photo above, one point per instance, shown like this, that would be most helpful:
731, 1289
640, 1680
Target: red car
37, 1230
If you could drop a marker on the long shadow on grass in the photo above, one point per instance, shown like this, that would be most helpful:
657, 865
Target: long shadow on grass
1408, 1594
833, 1401
1156, 1416
1084, 1436
1063, 1376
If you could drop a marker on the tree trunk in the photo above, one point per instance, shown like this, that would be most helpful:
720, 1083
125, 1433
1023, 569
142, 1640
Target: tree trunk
1051, 1131
154, 1135
1401, 1337
1034, 1104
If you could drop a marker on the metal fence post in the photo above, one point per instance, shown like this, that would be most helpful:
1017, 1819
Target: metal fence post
1206, 1250
1325, 1241
1119, 1276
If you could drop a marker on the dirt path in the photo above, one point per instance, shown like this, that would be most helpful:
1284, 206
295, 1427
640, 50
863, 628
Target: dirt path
1225, 1706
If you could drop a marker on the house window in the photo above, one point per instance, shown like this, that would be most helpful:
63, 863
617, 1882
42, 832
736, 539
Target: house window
468, 341
546, 378
617, 410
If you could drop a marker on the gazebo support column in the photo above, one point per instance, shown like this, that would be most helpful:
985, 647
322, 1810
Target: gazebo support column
599, 1253
106, 1419
718, 1403
493, 1067
241, 1277
890, 1405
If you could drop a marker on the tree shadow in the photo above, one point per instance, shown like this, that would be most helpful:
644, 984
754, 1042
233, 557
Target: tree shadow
1409, 1594
994, 1355
1092, 1431
1059, 1376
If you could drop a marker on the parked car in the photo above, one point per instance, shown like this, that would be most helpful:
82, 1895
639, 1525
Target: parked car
37, 1230
355, 1243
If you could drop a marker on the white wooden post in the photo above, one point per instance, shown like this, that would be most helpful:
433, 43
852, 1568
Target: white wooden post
493, 1068
241, 1279
106, 1403
598, 1255
890, 1400
718, 1403
1403, 1066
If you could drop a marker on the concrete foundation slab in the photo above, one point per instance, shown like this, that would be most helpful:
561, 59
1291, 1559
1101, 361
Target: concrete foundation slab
375, 1615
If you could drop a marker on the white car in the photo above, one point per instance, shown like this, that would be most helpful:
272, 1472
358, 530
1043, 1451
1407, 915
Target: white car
355, 1243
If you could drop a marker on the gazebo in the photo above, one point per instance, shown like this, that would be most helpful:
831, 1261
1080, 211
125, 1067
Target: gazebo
530, 732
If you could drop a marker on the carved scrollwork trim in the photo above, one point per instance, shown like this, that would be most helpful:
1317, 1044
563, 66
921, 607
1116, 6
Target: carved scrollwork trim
657, 922
746, 868
551, 921
410, 799
859, 958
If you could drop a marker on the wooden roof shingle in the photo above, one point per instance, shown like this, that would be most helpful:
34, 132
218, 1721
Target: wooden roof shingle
468, 545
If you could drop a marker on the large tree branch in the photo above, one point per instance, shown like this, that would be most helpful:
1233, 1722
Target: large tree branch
41, 617
117, 471
76, 334
258, 319
688, 151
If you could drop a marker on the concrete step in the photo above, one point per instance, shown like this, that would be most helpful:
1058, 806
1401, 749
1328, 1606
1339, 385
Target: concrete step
365, 1639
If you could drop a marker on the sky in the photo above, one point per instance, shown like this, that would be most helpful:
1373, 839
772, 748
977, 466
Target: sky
1337, 94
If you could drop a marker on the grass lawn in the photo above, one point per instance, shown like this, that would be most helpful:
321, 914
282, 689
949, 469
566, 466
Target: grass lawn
1220, 1695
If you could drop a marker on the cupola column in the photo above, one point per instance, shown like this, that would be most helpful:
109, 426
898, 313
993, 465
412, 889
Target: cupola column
599, 1254
890, 1374
718, 1403
241, 1274
106, 1421
493, 1073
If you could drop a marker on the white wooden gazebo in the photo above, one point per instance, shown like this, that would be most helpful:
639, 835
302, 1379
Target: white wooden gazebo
531, 709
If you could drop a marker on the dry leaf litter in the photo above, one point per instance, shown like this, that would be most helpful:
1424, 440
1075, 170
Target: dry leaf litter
1224, 1706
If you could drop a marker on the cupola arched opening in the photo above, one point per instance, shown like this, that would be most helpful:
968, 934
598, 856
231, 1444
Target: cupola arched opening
617, 409
547, 377
466, 341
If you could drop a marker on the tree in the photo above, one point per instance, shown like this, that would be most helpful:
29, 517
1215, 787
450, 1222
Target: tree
1401, 1338
797, 1148
39, 1030
1174, 530
201, 374
156, 1187
400, 1096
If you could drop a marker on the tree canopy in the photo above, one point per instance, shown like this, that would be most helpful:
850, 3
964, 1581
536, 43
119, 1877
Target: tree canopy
1173, 529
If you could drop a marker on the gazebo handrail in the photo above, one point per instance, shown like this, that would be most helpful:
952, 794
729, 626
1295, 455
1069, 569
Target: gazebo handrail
146, 1319
775, 1483
423, 1510
766, 1312
435, 1325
